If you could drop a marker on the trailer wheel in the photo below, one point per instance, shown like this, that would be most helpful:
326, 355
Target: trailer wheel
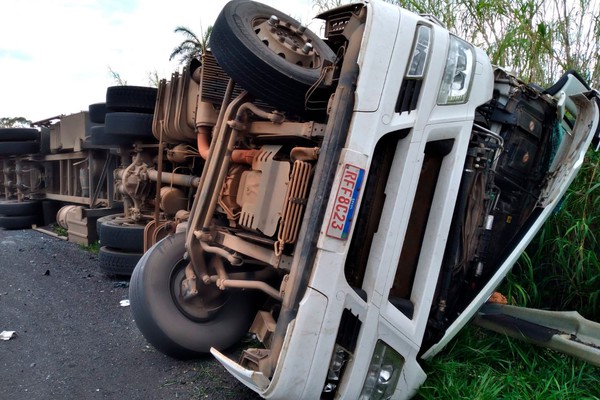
263, 50
117, 262
12, 208
18, 221
98, 137
97, 112
118, 232
18, 134
131, 99
180, 328
128, 124
19, 148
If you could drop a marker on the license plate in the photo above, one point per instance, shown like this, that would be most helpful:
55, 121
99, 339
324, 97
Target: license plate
342, 213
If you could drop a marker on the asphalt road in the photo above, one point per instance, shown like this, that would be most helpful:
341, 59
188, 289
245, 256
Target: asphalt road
74, 339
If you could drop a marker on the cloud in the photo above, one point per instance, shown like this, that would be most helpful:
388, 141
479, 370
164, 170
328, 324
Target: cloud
55, 55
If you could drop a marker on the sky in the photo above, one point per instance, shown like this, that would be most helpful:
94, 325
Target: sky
56, 55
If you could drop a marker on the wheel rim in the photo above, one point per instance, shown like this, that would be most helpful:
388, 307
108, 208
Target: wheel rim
201, 307
287, 41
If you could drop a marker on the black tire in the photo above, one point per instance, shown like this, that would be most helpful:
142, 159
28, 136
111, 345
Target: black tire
163, 317
12, 208
49, 210
131, 99
18, 134
117, 262
97, 112
128, 124
100, 138
19, 148
45, 141
254, 62
18, 221
117, 232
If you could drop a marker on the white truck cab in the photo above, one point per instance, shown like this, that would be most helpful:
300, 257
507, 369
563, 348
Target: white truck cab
361, 197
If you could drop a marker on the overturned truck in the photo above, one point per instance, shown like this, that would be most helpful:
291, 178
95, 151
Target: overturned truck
360, 197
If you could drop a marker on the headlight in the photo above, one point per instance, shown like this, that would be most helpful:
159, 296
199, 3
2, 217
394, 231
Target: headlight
420, 53
456, 83
384, 372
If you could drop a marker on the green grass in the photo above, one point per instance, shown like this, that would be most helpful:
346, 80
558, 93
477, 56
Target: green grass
59, 230
92, 247
560, 271
484, 365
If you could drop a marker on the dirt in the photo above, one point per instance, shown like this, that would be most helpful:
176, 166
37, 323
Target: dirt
74, 339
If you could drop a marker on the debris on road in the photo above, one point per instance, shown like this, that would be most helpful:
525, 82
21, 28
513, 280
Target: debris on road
7, 335
124, 303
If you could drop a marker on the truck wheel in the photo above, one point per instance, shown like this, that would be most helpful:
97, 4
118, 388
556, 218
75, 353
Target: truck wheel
262, 49
19, 148
179, 328
118, 232
128, 124
131, 99
18, 134
11, 208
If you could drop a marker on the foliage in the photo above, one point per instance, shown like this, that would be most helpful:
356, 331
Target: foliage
570, 278
479, 364
14, 122
192, 46
59, 230
538, 40
93, 248
117, 77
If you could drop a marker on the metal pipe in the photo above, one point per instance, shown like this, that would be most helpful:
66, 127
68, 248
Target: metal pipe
203, 140
172, 178
232, 258
241, 284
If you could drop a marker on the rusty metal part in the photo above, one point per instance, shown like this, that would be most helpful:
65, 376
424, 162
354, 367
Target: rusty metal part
290, 42
175, 109
172, 200
155, 231
254, 251
180, 153
244, 156
262, 193
246, 284
299, 129
206, 115
295, 202
227, 199
233, 258
172, 178
304, 153
189, 289
203, 140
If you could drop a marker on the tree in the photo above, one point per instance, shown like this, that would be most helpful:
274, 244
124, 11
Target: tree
117, 77
14, 122
192, 46
537, 39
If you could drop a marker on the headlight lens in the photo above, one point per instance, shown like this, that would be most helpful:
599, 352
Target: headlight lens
420, 53
456, 83
384, 372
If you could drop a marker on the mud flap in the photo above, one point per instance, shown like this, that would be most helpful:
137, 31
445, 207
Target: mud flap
564, 331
